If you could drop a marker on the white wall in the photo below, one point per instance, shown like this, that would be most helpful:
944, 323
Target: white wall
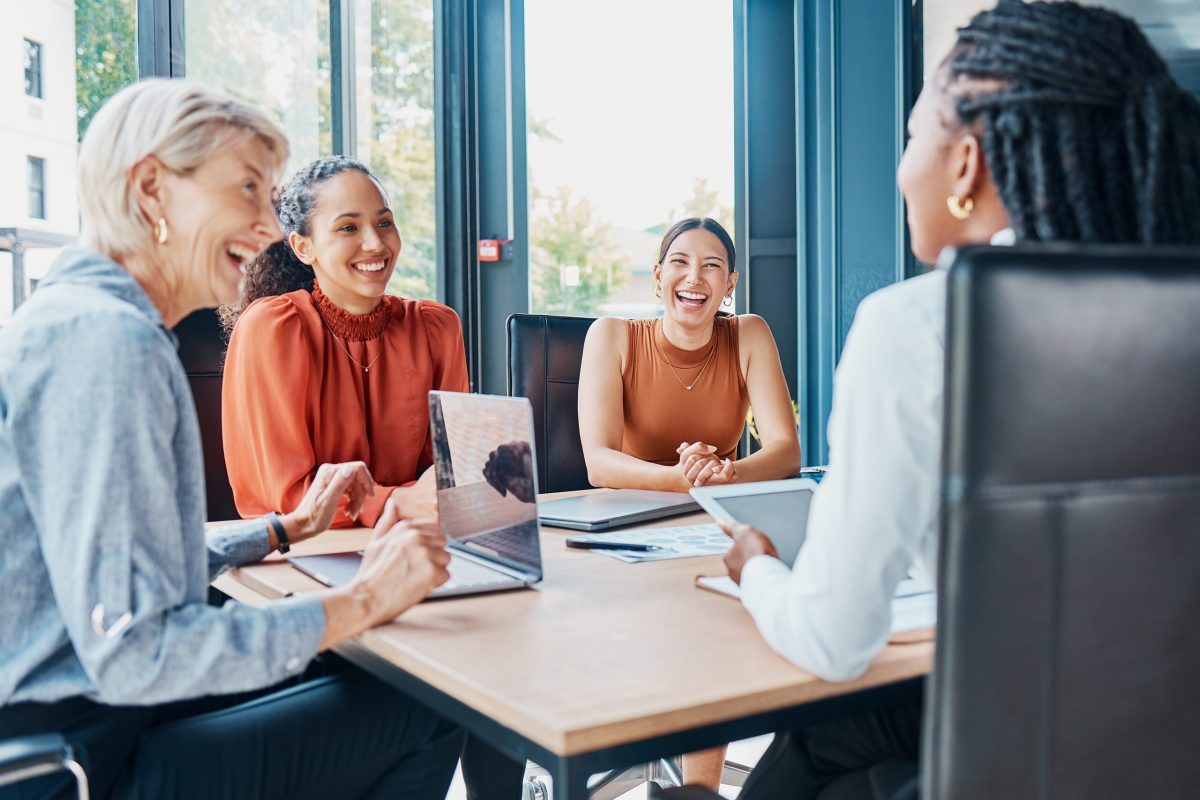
43, 128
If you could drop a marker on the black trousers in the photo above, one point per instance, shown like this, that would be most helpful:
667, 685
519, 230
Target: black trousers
801, 764
342, 735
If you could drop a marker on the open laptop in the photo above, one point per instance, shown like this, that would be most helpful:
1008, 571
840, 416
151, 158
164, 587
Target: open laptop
487, 497
600, 512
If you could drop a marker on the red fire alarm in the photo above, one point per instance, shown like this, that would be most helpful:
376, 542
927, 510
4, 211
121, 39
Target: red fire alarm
489, 249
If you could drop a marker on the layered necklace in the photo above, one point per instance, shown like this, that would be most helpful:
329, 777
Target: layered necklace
712, 351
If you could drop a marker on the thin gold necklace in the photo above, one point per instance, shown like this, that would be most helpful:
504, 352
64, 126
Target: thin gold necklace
688, 386
346, 350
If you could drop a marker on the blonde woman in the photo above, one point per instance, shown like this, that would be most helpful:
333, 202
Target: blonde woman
105, 634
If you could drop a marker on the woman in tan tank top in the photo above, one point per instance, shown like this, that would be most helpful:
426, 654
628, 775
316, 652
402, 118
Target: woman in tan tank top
662, 402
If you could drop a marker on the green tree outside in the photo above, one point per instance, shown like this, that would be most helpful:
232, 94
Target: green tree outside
573, 264
105, 53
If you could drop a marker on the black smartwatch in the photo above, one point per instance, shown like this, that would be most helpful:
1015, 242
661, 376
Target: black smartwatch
275, 522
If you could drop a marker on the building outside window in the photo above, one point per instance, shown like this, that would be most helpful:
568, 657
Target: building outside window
33, 69
37, 187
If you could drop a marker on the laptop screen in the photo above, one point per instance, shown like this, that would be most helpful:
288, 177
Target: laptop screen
486, 476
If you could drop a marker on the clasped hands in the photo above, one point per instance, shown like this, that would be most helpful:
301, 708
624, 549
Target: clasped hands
699, 466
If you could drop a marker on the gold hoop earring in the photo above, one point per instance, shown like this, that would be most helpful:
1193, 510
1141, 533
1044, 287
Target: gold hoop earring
160, 231
960, 209
727, 302
658, 290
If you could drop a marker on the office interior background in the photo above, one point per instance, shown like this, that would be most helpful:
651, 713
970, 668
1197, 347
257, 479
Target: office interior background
574, 132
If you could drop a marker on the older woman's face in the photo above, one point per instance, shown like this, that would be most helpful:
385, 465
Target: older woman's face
220, 217
354, 241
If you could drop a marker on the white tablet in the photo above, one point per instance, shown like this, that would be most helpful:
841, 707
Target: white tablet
777, 508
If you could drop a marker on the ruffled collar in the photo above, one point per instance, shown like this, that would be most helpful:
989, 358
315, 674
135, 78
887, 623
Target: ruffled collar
352, 327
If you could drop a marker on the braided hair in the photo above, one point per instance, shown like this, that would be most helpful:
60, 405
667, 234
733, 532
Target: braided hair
277, 270
1086, 134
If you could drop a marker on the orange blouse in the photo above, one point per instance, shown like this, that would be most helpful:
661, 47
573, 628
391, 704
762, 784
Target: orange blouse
296, 395
661, 411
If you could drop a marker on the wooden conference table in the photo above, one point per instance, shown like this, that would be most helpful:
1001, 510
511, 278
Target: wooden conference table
604, 665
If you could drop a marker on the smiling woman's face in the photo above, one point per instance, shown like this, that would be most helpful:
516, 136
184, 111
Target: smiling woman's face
353, 243
694, 277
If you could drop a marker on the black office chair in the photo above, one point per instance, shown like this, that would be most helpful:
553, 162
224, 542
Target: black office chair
1070, 546
544, 353
27, 757
202, 351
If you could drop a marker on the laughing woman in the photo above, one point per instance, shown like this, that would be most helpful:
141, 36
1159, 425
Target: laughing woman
662, 403
323, 361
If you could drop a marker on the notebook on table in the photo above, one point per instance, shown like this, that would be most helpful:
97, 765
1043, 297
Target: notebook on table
486, 495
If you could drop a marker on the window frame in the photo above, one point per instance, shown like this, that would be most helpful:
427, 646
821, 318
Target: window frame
36, 166
34, 72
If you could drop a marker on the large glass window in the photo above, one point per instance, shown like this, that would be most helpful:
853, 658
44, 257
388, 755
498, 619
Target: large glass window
76, 54
33, 69
274, 55
1173, 26
394, 102
630, 128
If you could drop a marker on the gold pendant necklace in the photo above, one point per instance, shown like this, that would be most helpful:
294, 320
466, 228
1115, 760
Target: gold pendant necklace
712, 351
346, 350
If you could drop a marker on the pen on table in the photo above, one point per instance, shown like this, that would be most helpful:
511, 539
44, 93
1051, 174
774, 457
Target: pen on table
591, 544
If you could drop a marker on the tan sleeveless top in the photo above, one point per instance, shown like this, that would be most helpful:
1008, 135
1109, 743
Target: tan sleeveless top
660, 412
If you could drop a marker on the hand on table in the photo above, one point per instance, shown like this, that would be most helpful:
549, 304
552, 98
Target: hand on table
315, 512
747, 543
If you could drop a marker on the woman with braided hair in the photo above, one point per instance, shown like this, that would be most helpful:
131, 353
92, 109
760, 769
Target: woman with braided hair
1046, 122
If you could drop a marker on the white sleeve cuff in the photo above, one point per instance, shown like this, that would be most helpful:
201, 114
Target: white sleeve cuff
760, 577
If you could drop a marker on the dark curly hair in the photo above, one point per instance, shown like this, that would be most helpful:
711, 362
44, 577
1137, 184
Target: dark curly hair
1086, 134
277, 270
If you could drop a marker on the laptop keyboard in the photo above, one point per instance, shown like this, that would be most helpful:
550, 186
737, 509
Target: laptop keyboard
518, 543
466, 574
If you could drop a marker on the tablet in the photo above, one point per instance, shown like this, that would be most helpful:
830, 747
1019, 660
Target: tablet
777, 508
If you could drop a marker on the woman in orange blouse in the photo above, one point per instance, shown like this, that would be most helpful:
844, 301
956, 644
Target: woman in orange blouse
323, 362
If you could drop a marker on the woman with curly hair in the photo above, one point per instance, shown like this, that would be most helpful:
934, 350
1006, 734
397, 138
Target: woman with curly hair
322, 360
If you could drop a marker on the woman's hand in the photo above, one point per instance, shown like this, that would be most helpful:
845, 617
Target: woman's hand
418, 501
404, 562
715, 473
747, 543
693, 458
320, 502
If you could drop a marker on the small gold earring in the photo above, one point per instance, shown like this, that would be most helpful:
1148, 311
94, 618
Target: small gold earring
960, 209
657, 289
160, 231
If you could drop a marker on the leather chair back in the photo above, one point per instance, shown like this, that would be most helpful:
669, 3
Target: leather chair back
202, 351
1070, 534
544, 353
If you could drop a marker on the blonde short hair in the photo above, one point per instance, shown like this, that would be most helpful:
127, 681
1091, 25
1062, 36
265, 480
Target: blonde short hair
182, 124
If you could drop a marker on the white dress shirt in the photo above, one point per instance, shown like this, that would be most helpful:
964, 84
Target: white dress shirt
874, 515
